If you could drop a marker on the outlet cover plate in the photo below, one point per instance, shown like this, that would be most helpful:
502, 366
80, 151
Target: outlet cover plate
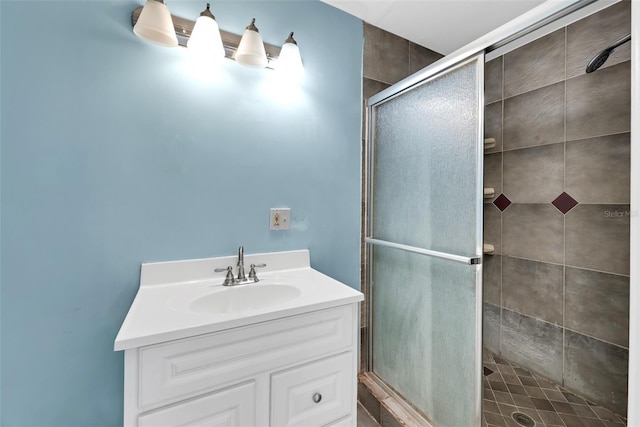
280, 219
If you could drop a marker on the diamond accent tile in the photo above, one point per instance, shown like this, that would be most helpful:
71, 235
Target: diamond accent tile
502, 202
564, 203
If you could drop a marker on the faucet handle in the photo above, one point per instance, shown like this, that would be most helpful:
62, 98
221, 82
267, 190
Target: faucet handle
252, 272
229, 279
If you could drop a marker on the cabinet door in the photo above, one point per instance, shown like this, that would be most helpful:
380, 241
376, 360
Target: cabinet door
233, 407
313, 394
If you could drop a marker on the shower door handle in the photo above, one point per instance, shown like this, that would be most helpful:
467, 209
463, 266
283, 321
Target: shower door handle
435, 254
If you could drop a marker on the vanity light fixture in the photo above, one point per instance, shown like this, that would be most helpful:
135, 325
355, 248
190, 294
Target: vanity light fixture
251, 51
155, 25
154, 22
205, 40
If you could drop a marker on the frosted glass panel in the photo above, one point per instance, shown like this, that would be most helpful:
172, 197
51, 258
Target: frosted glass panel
425, 316
423, 323
425, 164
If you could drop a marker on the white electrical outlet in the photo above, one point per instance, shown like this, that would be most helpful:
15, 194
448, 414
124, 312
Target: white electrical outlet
280, 219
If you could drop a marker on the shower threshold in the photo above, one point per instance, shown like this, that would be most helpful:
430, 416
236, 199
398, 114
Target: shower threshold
512, 393
385, 405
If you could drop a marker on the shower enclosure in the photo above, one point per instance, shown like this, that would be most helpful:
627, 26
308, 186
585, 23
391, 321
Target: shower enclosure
424, 227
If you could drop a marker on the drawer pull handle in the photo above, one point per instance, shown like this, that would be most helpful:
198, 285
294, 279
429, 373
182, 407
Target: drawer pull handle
317, 397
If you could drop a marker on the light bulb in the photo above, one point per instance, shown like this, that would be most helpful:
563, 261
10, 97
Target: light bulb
154, 24
251, 51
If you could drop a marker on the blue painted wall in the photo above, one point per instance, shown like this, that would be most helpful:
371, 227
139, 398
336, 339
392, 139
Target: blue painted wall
113, 153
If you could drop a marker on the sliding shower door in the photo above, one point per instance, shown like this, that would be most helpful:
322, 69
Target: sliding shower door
424, 242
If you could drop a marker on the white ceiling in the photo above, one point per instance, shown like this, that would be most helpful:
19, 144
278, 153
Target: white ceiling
440, 25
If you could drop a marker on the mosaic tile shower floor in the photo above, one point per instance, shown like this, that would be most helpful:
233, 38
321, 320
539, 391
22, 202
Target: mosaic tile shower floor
508, 389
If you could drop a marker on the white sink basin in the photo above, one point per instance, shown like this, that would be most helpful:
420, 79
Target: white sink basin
180, 299
242, 298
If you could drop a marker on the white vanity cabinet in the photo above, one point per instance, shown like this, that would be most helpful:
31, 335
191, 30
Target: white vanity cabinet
278, 352
298, 370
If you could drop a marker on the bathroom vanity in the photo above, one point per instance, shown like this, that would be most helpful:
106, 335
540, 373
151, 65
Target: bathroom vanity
278, 352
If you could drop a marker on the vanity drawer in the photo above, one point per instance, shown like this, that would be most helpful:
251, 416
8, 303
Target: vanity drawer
314, 394
233, 407
181, 369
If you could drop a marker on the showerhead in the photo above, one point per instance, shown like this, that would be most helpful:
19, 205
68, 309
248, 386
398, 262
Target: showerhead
598, 60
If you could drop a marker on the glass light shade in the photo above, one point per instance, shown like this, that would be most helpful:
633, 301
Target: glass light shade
251, 51
205, 40
155, 24
290, 62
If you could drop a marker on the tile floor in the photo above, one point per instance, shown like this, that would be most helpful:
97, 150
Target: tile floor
509, 388
364, 419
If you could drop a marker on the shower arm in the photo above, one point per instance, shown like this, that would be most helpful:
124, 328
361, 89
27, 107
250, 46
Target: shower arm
623, 40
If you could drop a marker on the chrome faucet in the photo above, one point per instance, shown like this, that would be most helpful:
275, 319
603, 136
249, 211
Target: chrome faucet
241, 277
230, 280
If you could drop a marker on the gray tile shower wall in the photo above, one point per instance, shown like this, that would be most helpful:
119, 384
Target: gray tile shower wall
534, 118
492, 279
556, 292
389, 58
594, 105
598, 369
535, 174
493, 81
533, 288
597, 237
597, 304
493, 123
523, 70
597, 170
533, 231
532, 343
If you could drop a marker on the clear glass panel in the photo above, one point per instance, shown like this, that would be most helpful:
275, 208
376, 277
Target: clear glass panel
424, 332
425, 312
425, 164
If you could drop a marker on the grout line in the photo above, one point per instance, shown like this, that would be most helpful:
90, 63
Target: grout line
567, 265
558, 81
562, 327
564, 216
597, 271
546, 85
564, 301
531, 259
564, 112
580, 203
533, 146
598, 339
604, 135
599, 136
502, 187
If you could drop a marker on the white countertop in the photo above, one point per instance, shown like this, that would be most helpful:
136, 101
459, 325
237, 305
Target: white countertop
160, 311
